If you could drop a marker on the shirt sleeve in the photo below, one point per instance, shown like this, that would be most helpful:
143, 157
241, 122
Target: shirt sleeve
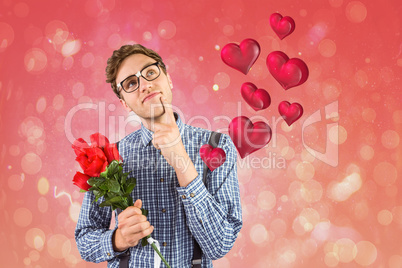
213, 212
92, 233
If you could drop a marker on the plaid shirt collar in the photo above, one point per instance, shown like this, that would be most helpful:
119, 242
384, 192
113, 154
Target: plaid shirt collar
146, 134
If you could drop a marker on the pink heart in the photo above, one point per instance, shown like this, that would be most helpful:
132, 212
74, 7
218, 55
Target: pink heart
288, 72
290, 112
258, 99
213, 157
248, 137
282, 26
241, 57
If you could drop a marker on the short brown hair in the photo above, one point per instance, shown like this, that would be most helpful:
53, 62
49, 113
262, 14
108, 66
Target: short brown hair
118, 56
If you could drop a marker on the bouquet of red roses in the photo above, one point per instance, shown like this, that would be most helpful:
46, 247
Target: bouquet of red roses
103, 175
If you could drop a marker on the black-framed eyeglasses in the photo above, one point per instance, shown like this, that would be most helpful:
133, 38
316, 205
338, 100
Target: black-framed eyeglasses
132, 83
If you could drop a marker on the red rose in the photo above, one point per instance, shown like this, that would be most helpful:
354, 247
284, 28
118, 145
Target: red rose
81, 181
98, 140
111, 152
79, 146
93, 161
95, 158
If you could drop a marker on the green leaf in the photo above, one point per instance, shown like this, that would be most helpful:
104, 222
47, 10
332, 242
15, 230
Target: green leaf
130, 188
98, 193
104, 185
123, 179
92, 181
144, 242
131, 180
116, 177
113, 186
113, 200
112, 168
82, 191
144, 212
118, 205
95, 191
129, 201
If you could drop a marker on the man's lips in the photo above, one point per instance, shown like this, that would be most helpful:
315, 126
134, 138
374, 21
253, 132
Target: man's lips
150, 96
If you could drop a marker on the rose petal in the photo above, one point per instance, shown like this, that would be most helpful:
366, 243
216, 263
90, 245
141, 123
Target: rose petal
96, 166
82, 159
80, 180
95, 152
111, 152
98, 140
79, 145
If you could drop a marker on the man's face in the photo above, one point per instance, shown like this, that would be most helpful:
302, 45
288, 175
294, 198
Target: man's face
145, 101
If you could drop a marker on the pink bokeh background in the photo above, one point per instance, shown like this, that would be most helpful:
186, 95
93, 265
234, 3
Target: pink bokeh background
300, 209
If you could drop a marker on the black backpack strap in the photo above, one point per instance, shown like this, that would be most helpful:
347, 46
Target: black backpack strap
197, 254
213, 141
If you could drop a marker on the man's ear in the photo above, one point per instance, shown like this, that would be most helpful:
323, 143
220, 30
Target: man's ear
170, 81
125, 106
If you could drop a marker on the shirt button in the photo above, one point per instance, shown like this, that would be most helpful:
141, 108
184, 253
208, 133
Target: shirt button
183, 196
164, 244
163, 210
162, 180
109, 254
192, 194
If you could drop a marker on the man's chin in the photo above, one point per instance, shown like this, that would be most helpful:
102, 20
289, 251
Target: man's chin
155, 113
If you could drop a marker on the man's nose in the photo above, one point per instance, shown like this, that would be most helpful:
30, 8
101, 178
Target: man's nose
144, 84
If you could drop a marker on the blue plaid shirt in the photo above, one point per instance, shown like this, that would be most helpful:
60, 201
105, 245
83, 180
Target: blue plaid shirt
211, 214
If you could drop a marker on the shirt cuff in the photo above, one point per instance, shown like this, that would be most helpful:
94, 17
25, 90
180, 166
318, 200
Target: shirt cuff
194, 194
107, 245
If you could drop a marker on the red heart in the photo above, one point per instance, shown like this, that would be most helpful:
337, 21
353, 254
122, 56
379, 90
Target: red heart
248, 137
288, 72
258, 99
282, 26
290, 112
213, 157
241, 57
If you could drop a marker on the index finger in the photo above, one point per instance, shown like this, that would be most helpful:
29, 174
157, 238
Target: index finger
169, 110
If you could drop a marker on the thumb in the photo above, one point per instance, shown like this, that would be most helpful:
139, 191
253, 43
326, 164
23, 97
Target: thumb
138, 203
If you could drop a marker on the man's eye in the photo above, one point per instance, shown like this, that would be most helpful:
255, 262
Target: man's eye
131, 83
151, 73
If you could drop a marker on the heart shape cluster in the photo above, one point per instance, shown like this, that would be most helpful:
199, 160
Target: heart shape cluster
288, 72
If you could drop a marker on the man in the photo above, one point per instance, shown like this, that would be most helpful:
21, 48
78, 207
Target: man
164, 158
